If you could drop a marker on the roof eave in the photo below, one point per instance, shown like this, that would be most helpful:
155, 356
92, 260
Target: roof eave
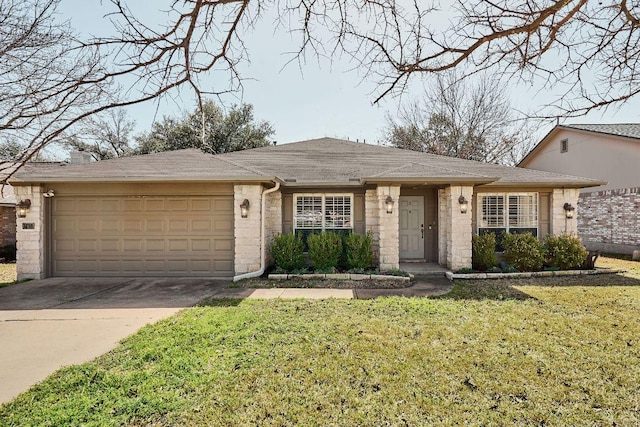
131, 179
429, 180
555, 184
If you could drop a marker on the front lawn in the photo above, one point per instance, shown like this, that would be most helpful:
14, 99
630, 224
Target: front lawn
531, 355
7, 274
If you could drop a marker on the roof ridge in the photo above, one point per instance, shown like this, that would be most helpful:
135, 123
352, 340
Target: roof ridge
256, 171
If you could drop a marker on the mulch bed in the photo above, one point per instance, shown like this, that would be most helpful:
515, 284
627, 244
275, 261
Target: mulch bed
323, 283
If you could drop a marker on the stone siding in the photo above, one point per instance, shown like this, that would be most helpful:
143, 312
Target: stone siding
31, 242
371, 220
273, 219
610, 220
457, 227
559, 221
388, 228
247, 230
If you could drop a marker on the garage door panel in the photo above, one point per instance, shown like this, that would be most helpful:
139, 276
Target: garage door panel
136, 236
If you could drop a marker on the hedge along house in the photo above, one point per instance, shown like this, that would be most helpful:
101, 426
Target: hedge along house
186, 213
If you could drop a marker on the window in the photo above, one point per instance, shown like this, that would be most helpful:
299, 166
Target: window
564, 145
318, 212
510, 212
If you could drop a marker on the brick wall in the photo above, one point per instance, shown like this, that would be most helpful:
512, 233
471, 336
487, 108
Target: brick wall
7, 225
610, 220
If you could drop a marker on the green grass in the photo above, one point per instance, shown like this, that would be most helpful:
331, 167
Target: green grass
534, 354
7, 274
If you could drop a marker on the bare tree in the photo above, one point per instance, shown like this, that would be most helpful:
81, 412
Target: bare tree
50, 81
460, 118
105, 135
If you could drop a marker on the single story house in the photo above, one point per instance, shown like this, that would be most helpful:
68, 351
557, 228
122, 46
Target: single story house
186, 213
609, 214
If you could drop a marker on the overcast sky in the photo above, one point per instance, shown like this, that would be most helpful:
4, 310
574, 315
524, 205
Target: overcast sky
312, 101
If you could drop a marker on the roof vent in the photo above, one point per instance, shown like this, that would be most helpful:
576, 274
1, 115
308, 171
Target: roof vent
79, 157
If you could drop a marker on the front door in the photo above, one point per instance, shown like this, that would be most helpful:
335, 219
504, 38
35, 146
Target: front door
412, 227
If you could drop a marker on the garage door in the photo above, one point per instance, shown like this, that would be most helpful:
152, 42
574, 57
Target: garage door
158, 235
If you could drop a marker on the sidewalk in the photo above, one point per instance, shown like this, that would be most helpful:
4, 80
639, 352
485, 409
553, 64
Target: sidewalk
423, 286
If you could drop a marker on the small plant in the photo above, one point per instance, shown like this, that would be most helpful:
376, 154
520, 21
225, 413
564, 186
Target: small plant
484, 251
358, 251
286, 250
564, 251
524, 251
325, 250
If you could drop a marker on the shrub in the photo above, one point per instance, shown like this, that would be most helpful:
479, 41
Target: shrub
484, 251
358, 251
286, 250
524, 251
325, 250
564, 251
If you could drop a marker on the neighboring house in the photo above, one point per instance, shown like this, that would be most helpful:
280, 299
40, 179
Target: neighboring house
609, 217
7, 217
186, 213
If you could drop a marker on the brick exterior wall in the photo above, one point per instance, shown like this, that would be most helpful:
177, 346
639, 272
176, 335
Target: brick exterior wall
7, 225
610, 220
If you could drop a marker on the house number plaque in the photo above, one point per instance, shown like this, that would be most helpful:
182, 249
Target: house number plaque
28, 225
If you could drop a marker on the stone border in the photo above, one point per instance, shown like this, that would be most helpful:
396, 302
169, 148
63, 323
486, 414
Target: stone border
340, 276
490, 276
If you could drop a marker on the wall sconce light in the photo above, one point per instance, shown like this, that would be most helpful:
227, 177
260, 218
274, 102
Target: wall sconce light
49, 194
389, 203
23, 207
568, 210
244, 208
464, 204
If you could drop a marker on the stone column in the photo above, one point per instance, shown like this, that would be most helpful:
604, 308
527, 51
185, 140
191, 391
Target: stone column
443, 225
371, 220
559, 221
273, 219
459, 227
30, 234
247, 230
388, 227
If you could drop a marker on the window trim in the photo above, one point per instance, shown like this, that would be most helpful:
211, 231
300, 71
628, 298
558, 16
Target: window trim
506, 196
324, 198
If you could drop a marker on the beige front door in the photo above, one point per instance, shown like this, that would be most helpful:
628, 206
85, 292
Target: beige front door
412, 227
150, 235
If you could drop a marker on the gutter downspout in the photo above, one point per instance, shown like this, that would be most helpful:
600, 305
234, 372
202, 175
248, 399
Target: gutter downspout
263, 249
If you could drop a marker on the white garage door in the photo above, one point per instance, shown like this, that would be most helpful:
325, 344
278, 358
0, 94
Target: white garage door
158, 235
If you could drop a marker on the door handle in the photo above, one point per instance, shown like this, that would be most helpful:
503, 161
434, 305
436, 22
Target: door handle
422, 230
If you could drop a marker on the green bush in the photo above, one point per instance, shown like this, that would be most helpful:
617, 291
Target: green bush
358, 251
484, 251
524, 251
564, 251
325, 250
286, 250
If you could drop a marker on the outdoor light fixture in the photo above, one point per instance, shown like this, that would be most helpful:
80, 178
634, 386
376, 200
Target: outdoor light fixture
49, 194
244, 208
23, 207
389, 203
464, 204
568, 210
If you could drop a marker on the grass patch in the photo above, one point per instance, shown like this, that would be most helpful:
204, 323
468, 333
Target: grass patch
632, 267
264, 283
7, 274
533, 354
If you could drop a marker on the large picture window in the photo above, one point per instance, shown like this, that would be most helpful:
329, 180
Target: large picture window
510, 212
318, 212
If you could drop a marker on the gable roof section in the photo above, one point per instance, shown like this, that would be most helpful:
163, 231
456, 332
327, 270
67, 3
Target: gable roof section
324, 161
624, 130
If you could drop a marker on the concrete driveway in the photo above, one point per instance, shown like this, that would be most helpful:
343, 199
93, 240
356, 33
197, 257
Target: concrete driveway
51, 323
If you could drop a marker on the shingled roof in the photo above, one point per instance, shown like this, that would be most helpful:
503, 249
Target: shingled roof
629, 130
324, 161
